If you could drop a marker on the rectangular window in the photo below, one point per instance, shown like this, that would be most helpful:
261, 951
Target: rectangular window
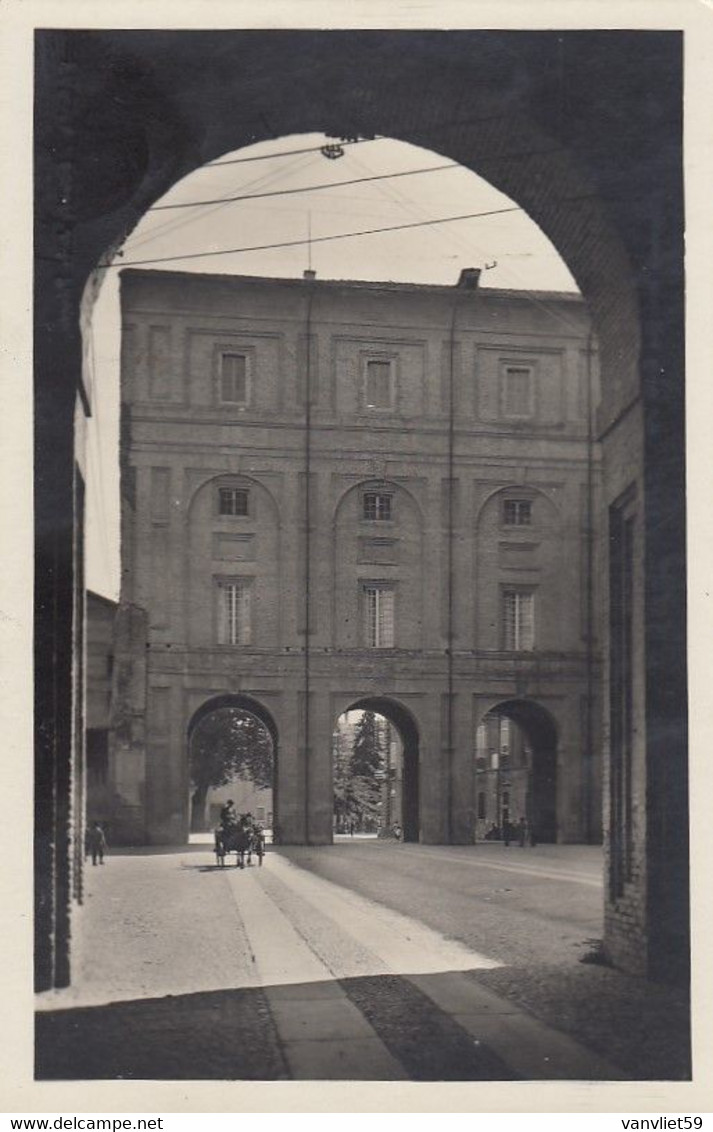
481, 804
517, 512
379, 385
234, 378
517, 391
377, 506
519, 620
234, 608
232, 501
379, 616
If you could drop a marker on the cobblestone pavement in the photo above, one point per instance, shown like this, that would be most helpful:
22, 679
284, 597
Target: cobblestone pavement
366, 961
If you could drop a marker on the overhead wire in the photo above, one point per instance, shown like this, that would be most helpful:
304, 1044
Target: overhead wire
316, 239
224, 201
413, 211
290, 152
400, 199
306, 188
180, 222
394, 191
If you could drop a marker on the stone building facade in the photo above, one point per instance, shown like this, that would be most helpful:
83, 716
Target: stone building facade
346, 495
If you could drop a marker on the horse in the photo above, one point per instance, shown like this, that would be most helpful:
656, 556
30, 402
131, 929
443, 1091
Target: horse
233, 839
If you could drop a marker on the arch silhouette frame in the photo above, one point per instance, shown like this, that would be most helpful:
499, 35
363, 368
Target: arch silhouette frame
606, 188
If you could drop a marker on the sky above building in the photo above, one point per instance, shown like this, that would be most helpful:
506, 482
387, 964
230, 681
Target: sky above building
298, 209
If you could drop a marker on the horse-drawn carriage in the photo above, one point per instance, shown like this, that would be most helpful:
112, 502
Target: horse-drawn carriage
241, 835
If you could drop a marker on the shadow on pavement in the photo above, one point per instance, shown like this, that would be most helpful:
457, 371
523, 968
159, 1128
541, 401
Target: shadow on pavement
214, 868
231, 1035
641, 1026
218, 1035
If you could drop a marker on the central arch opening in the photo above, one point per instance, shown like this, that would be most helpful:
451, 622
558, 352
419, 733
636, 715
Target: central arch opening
232, 750
516, 772
375, 769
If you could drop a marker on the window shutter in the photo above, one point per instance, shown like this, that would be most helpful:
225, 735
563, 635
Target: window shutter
244, 626
379, 616
234, 622
386, 618
519, 621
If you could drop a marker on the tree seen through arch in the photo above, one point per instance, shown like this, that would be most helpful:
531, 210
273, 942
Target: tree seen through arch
229, 746
367, 760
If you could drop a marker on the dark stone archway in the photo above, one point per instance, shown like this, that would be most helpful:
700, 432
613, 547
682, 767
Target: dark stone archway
581, 129
407, 728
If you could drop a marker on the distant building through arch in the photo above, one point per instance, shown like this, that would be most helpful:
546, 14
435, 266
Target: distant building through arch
447, 557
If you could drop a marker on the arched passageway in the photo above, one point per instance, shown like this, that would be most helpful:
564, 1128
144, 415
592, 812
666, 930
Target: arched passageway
405, 771
603, 182
232, 751
516, 768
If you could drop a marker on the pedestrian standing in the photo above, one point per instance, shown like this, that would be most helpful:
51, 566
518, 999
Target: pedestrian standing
96, 843
507, 833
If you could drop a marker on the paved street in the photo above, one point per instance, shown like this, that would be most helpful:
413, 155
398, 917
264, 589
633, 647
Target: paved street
366, 960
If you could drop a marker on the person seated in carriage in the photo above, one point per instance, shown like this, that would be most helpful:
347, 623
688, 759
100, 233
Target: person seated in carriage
228, 817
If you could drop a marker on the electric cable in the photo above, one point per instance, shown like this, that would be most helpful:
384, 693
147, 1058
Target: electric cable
305, 188
174, 224
393, 194
414, 210
288, 152
315, 239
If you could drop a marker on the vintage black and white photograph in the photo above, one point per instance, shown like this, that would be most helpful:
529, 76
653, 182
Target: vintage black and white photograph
360, 574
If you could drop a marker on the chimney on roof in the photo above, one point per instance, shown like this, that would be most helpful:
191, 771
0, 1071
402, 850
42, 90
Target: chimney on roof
309, 273
469, 278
